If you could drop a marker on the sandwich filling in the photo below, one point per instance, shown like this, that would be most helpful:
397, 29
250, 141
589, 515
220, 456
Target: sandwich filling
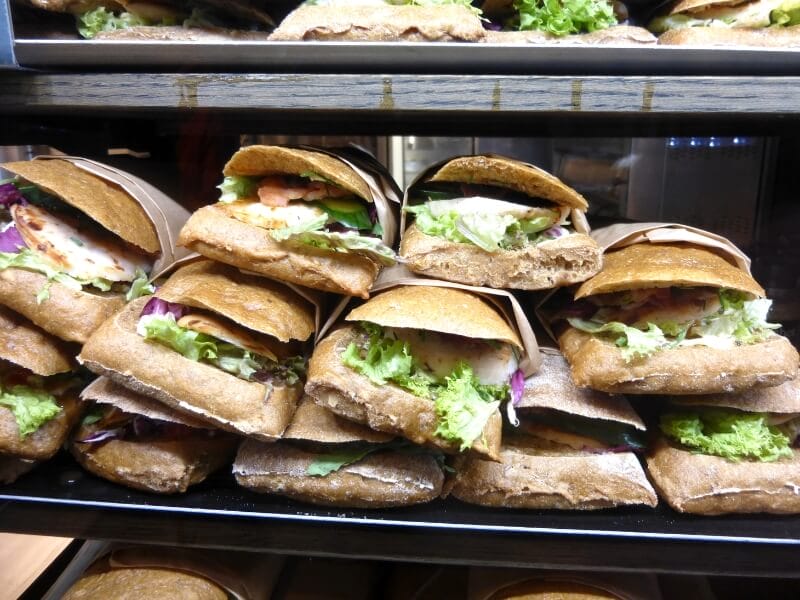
32, 398
208, 338
103, 423
489, 217
642, 322
581, 433
333, 457
40, 233
307, 211
757, 14
562, 17
733, 434
466, 378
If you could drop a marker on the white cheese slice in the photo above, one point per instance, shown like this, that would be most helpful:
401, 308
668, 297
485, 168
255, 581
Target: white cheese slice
272, 217
489, 206
84, 254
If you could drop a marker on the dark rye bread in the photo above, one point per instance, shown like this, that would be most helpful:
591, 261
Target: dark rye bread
386, 408
712, 485
599, 364
200, 390
380, 480
537, 474
27, 346
563, 261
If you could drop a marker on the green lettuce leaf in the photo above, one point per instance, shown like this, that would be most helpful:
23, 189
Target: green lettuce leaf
191, 344
27, 259
329, 462
349, 242
283, 234
741, 320
237, 187
462, 403
356, 216
99, 19
632, 342
140, 286
31, 408
563, 17
728, 433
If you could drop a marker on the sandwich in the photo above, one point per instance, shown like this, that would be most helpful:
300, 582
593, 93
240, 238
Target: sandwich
730, 453
182, 20
770, 23
672, 318
430, 364
38, 393
73, 247
213, 343
572, 449
138, 442
301, 216
382, 21
562, 22
494, 221
324, 459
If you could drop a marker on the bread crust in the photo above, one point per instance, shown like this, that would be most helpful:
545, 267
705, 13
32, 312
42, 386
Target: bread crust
134, 583
643, 266
712, 485
618, 35
198, 389
379, 480
68, 314
212, 233
313, 423
690, 370
768, 37
564, 261
179, 33
163, 467
380, 24
24, 344
537, 474
45, 441
386, 408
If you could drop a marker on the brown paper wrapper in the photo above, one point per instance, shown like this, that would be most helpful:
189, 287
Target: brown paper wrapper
577, 217
504, 301
484, 582
621, 235
166, 215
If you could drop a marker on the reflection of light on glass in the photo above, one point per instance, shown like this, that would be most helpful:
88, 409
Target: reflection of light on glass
712, 142
693, 142
709, 142
737, 141
672, 143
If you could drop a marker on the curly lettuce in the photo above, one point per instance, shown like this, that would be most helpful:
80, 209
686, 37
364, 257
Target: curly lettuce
32, 408
237, 187
489, 231
564, 17
140, 286
99, 19
727, 433
463, 405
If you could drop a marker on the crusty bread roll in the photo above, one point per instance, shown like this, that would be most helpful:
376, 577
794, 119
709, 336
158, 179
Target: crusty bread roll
380, 23
554, 263
551, 590
712, 485
767, 37
386, 408
24, 344
135, 583
614, 36
45, 441
199, 389
537, 474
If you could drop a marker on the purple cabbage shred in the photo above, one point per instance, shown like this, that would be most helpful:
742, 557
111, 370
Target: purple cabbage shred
11, 240
157, 306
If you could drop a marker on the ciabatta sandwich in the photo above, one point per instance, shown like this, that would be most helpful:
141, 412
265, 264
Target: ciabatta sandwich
730, 453
498, 222
572, 449
140, 443
672, 318
428, 363
301, 216
324, 459
214, 343
38, 390
74, 246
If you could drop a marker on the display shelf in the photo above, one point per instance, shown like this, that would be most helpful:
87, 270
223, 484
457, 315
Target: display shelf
60, 499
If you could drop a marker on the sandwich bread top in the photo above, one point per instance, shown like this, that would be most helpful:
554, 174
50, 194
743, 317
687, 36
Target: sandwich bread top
105, 203
511, 174
432, 308
314, 423
691, 6
25, 345
552, 388
251, 301
253, 161
643, 266
784, 398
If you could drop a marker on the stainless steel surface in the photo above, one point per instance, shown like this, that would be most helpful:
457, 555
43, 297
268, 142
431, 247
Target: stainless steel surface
408, 57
